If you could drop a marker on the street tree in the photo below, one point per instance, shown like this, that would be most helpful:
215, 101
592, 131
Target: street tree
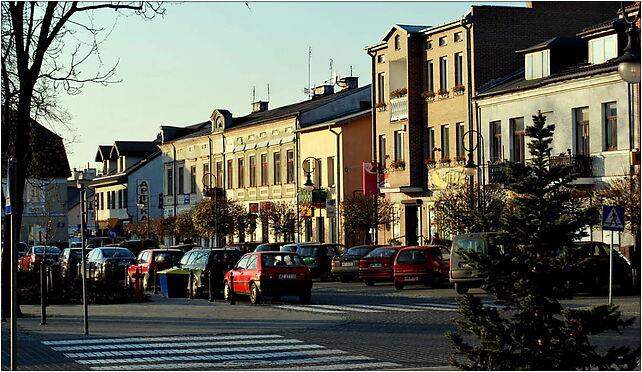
184, 227
44, 48
282, 219
164, 227
531, 273
214, 218
361, 213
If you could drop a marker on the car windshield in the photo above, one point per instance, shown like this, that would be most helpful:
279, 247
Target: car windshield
117, 253
50, 250
281, 260
471, 245
167, 257
382, 252
309, 251
75, 253
357, 251
289, 248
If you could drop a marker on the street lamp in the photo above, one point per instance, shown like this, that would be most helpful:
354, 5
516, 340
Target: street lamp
309, 165
629, 62
81, 184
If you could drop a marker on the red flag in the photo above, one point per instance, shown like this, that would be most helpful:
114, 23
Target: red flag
369, 171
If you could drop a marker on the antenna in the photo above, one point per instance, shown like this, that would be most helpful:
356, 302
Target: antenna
309, 71
268, 88
331, 75
350, 70
254, 94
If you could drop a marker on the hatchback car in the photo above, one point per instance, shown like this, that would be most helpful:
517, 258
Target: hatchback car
318, 257
203, 262
462, 275
346, 265
378, 265
69, 259
137, 246
151, 261
243, 247
109, 264
426, 265
35, 255
273, 274
266, 247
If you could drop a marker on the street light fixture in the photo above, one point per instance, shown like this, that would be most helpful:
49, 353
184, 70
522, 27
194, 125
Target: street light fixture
81, 184
629, 62
309, 165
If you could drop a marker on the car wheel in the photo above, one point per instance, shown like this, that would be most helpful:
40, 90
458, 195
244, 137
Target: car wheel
255, 296
369, 283
227, 292
305, 297
398, 285
461, 288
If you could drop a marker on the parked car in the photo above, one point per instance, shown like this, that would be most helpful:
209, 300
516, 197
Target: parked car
318, 257
378, 265
184, 247
34, 257
100, 241
151, 261
137, 246
461, 274
594, 272
428, 265
272, 274
346, 265
243, 247
69, 260
22, 249
109, 264
75, 245
203, 262
274, 247
293, 247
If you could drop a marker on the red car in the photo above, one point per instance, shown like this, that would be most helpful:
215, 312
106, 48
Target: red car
34, 256
274, 274
377, 266
152, 261
427, 265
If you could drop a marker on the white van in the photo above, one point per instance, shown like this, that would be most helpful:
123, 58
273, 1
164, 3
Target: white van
461, 274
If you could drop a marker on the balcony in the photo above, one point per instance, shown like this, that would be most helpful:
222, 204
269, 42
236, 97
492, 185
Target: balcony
495, 174
398, 108
582, 164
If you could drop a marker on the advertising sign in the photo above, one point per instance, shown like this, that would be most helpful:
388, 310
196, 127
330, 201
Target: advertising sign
142, 197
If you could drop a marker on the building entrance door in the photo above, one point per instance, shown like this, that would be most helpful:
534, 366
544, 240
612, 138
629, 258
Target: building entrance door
412, 223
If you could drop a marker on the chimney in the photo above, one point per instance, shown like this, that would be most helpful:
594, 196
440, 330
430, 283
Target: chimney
349, 82
322, 91
259, 106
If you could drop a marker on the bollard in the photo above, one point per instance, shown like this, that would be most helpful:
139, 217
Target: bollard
154, 280
137, 291
210, 284
232, 300
190, 285
43, 293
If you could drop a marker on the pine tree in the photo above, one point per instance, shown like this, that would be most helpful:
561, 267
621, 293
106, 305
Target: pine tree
529, 276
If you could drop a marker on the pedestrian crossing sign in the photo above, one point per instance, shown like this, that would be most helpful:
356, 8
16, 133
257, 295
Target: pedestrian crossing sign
612, 218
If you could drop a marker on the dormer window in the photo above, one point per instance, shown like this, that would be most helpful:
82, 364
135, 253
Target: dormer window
602, 49
397, 42
121, 164
538, 64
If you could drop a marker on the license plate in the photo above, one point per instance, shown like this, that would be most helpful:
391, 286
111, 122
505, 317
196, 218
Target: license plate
375, 265
346, 264
411, 278
287, 276
123, 264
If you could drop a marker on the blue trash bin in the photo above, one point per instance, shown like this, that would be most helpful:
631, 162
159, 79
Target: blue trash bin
173, 282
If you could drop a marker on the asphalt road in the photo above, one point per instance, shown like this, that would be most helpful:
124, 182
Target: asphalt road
346, 326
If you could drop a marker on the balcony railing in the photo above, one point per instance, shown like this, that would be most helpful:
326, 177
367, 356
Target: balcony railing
399, 109
495, 171
582, 164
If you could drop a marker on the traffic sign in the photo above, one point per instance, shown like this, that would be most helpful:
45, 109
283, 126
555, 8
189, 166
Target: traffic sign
112, 233
612, 218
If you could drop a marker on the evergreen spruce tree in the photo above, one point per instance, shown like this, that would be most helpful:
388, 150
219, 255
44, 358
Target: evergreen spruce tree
530, 274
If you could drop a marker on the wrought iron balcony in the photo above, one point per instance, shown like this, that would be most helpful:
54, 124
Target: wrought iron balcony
495, 173
399, 109
582, 164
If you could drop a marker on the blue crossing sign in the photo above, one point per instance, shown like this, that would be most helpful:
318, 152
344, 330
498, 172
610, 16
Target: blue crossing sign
612, 218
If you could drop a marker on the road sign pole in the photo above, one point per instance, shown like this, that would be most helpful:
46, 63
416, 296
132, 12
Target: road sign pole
15, 235
611, 270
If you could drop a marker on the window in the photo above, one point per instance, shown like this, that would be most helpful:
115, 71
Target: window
170, 181
192, 179
381, 78
241, 172
331, 171
399, 145
277, 168
113, 199
443, 73
382, 149
428, 44
120, 199
181, 180
230, 171
252, 171
495, 141
459, 69
460, 138
537, 65
582, 131
219, 174
397, 42
264, 169
610, 126
381, 58
289, 155
602, 49
206, 170
459, 36
445, 141
125, 198
431, 143
102, 201
430, 78
108, 200
517, 127
443, 41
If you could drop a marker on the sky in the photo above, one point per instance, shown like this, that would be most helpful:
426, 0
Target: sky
201, 56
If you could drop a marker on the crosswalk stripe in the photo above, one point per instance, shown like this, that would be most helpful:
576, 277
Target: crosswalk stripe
347, 308
173, 344
339, 367
387, 308
437, 304
151, 339
217, 357
311, 309
419, 307
190, 351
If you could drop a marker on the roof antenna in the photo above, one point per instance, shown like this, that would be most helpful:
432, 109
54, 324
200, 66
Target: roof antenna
309, 74
254, 94
268, 88
350, 70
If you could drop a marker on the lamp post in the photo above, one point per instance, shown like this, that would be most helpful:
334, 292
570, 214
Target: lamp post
82, 185
470, 169
309, 165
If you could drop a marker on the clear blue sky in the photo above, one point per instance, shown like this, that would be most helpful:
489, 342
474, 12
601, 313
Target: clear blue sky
201, 56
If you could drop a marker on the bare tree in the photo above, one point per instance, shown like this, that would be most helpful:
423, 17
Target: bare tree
282, 219
44, 46
361, 213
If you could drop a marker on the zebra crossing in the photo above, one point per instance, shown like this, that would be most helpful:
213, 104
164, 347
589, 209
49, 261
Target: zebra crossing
378, 308
264, 352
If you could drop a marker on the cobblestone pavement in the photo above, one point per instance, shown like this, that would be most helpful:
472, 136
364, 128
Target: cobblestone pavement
347, 326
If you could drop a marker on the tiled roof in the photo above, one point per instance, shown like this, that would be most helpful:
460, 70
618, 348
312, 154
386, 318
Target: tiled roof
598, 27
133, 148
